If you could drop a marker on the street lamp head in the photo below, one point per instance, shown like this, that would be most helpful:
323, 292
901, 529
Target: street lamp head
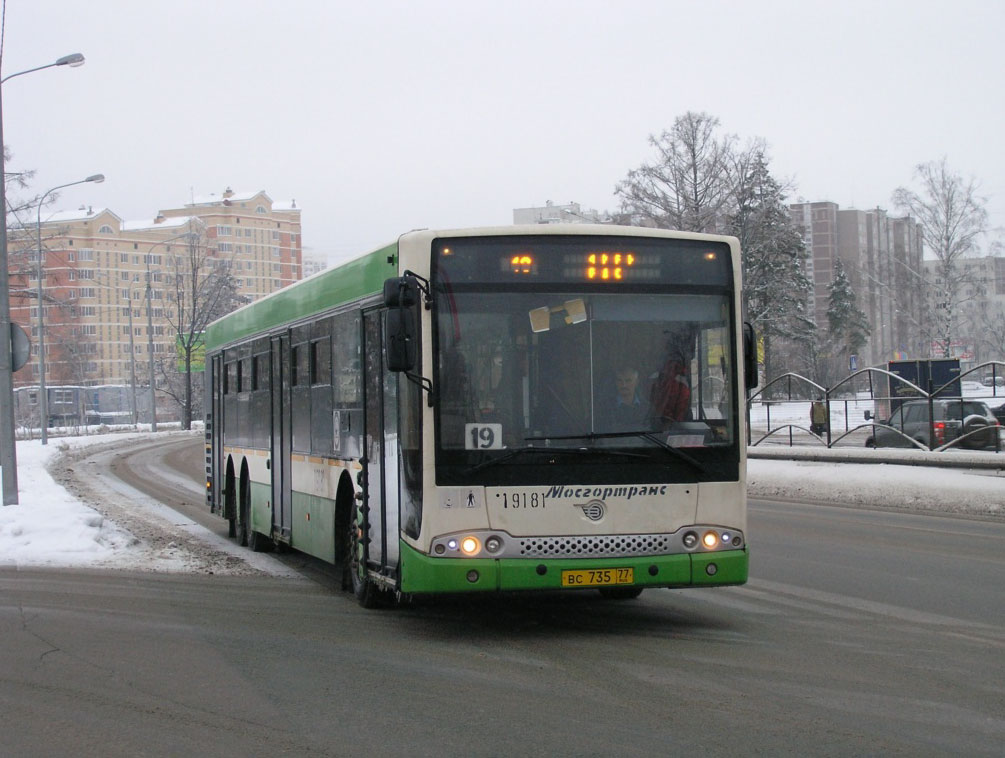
73, 60
96, 178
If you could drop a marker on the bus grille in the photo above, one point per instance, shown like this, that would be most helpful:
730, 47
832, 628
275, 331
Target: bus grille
610, 546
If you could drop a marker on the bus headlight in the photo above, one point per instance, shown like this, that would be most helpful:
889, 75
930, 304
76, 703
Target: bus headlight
710, 540
482, 543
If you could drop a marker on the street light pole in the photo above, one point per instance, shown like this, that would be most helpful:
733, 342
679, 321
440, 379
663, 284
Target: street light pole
43, 396
150, 349
132, 359
8, 445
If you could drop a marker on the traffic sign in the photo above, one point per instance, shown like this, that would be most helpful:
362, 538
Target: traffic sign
20, 347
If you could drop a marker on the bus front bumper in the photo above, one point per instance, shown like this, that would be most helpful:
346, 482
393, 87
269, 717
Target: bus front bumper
421, 574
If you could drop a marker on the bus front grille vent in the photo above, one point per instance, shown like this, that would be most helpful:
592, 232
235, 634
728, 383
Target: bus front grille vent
612, 546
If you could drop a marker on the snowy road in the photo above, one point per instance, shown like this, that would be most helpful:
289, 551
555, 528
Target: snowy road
860, 632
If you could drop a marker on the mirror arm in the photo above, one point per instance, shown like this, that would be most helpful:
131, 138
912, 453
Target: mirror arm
424, 383
423, 284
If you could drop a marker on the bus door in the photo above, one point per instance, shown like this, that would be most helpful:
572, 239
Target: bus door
381, 425
282, 430
215, 387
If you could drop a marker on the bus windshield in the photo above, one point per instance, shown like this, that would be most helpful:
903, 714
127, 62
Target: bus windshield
615, 380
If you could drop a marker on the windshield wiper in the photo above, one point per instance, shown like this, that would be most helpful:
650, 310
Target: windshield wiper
643, 434
550, 451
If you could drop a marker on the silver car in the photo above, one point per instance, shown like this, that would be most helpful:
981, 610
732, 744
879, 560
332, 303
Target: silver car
951, 419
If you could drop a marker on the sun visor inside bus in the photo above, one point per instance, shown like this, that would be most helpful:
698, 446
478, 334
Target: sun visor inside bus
574, 310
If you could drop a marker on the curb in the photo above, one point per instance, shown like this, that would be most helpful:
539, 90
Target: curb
948, 459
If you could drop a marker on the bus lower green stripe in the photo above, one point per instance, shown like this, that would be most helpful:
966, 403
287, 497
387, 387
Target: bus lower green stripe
422, 574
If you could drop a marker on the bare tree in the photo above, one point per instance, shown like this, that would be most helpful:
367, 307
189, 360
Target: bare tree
703, 182
688, 186
952, 217
199, 288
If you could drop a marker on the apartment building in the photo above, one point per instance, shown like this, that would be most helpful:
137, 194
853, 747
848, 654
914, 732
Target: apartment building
977, 334
882, 257
312, 263
95, 269
549, 213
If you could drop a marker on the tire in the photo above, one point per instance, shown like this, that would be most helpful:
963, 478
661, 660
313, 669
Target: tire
621, 593
243, 520
229, 507
367, 593
258, 542
972, 424
870, 443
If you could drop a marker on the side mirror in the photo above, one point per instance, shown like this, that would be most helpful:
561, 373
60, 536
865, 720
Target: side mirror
401, 291
868, 416
399, 338
749, 356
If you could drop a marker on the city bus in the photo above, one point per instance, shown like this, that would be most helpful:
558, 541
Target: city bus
547, 407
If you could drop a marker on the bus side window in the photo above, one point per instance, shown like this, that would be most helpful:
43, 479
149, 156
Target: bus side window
347, 378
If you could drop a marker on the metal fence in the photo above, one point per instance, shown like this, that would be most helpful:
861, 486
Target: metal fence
874, 407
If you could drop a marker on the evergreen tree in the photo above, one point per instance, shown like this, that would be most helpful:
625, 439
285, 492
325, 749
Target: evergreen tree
776, 288
848, 325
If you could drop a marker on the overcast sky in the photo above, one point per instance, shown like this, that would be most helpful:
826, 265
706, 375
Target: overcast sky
380, 117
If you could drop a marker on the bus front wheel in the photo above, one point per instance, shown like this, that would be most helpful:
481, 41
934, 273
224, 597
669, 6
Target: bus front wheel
366, 592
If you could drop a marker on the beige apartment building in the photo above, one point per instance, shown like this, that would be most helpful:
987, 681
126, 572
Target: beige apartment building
95, 268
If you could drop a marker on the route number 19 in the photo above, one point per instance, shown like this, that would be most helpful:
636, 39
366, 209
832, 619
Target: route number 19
483, 436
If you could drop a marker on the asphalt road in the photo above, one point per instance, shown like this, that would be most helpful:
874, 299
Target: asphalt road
860, 633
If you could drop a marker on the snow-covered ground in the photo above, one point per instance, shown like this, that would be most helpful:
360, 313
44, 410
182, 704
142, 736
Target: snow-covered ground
51, 527
107, 526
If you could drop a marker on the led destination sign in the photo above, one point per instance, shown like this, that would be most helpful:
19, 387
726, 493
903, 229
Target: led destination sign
581, 259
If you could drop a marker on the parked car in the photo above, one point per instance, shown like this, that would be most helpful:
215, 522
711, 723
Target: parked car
952, 419
997, 406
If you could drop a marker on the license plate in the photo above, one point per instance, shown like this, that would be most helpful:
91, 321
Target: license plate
598, 577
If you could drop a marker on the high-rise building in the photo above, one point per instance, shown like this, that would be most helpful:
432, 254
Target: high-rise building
549, 213
977, 332
312, 263
95, 269
882, 257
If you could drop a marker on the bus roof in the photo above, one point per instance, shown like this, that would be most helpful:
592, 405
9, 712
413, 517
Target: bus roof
365, 275
326, 289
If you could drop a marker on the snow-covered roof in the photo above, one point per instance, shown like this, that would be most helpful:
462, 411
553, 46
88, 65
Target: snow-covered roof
286, 205
166, 222
81, 214
235, 197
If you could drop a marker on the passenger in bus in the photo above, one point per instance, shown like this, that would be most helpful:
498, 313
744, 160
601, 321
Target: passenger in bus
625, 412
670, 394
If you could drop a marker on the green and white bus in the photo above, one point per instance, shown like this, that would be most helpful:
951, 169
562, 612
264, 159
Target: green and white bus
515, 408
